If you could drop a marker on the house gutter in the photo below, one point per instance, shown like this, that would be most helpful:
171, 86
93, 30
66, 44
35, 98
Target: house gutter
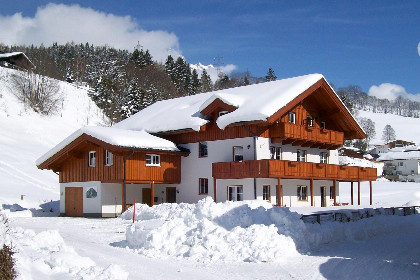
255, 137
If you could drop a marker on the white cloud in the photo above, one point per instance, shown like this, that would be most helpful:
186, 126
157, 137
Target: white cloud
66, 23
391, 92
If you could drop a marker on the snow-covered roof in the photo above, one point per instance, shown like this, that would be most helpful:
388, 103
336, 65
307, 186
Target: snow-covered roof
117, 137
399, 156
5, 55
254, 103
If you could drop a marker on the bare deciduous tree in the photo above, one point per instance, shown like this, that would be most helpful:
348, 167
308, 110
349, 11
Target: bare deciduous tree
40, 93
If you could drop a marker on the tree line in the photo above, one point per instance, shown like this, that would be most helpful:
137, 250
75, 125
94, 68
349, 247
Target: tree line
122, 82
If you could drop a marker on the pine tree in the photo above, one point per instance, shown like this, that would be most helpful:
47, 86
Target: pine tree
246, 81
206, 84
270, 75
195, 83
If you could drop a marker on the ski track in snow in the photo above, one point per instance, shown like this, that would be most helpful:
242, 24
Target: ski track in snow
22, 176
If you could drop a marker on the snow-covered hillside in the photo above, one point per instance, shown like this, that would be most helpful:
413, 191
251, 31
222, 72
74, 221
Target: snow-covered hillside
26, 135
405, 128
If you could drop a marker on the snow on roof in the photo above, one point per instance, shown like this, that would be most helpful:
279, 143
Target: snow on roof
254, 103
399, 155
5, 55
114, 136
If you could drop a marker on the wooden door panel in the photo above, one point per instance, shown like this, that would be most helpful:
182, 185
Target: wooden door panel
74, 202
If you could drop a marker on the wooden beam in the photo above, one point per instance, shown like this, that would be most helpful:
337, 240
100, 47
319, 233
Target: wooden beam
279, 192
277, 139
152, 193
122, 197
312, 192
335, 192
288, 141
371, 196
214, 189
358, 192
351, 190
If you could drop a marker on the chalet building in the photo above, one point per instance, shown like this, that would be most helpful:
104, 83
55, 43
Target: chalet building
385, 148
402, 164
275, 141
15, 60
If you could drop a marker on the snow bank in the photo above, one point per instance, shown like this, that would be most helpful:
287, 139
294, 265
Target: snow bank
241, 231
46, 256
206, 231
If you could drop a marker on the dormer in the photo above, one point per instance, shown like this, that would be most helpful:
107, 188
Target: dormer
216, 108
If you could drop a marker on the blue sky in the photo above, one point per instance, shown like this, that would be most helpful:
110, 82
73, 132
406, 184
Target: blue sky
350, 42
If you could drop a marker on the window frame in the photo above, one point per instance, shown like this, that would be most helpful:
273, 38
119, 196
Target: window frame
203, 185
92, 159
200, 149
235, 194
323, 125
267, 194
277, 154
152, 160
234, 154
292, 117
109, 158
299, 157
322, 159
300, 193
309, 121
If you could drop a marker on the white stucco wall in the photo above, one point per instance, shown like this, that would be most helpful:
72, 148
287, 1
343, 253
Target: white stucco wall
408, 165
194, 167
90, 205
289, 190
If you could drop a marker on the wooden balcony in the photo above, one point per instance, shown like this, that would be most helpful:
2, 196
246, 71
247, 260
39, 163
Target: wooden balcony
306, 136
271, 168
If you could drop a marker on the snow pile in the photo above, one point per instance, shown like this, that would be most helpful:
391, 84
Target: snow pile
206, 231
45, 255
242, 231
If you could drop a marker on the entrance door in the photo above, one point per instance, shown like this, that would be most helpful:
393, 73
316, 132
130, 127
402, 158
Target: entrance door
74, 201
323, 197
171, 195
146, 194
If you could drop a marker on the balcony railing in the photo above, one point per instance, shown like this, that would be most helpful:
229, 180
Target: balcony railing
271, 168
310, 135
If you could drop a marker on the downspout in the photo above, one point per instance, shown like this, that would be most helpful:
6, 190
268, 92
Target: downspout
255, 137
125, 179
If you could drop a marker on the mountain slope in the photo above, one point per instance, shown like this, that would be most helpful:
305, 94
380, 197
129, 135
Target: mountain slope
26, 135
405, 128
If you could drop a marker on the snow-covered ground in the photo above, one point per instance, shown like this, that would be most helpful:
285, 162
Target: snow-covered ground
405, 128
248, 240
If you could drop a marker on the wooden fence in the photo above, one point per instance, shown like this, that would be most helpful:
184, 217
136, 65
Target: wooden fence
346, 216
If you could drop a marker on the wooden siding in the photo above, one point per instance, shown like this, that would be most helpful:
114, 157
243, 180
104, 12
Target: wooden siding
211, 132
76, 168
168, 172
291, 169
285, 131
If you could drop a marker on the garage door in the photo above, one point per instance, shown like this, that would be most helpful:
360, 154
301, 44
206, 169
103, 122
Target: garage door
74, 202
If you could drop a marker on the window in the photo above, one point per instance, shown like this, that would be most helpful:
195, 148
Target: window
109, 158
235, 193
266, 193
238, 153
309, 121
400, 163
275, 152
302, 193
92, 159
203, 186
332, 192
301, 155
152, 160
323, 125
202, 149
323, 157
221, 113
292, 117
